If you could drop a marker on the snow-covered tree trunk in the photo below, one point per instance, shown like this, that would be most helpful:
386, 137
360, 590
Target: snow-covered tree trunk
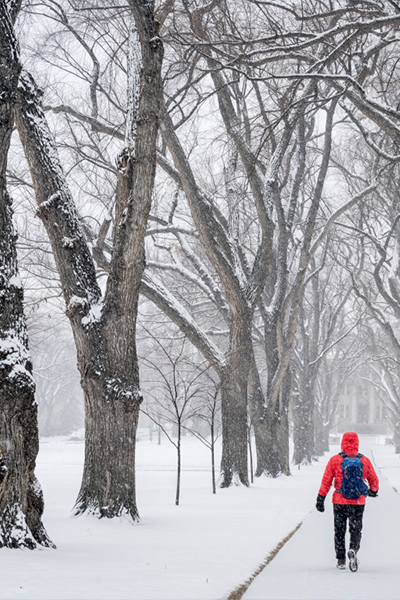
104, 328
21, 497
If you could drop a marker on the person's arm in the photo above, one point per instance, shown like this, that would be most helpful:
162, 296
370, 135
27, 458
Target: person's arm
372, 479
327, 478
326, 483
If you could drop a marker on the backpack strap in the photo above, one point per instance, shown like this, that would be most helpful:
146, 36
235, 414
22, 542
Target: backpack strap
347, 456
343, 455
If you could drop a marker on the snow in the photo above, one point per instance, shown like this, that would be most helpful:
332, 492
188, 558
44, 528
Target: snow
94, 314
134, 68
49, 201
15, 281
15, 354
68, 242
205, 547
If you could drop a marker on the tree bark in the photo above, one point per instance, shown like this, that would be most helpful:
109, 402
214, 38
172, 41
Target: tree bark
234, 381
303, 433
21, 497
275, 458
257, 411
272, 421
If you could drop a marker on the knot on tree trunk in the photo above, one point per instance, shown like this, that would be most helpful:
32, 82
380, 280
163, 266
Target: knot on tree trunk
124, 159
121, 390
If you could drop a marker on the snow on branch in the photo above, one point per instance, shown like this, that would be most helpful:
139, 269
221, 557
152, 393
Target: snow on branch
331, 221
135, 66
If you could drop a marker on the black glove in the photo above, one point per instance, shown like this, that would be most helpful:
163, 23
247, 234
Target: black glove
3, 470
320, 505
372, 493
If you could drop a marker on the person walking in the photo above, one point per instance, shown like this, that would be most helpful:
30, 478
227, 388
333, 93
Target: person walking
348, 470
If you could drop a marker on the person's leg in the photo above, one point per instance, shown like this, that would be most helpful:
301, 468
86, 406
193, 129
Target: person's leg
355, 526
340, 518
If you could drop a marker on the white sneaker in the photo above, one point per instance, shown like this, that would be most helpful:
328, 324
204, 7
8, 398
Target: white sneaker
341, 564
353, 560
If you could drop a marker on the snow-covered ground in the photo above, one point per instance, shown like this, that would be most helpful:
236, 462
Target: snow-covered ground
200, 550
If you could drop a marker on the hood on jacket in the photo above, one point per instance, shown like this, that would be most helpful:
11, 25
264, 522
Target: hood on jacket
350, 443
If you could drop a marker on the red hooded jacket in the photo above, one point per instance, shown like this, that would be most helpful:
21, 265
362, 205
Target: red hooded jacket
334, 471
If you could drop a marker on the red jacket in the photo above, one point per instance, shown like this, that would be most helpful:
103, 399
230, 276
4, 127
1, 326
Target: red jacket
333, 471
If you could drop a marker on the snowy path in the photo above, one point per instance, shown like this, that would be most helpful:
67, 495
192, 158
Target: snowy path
305, 567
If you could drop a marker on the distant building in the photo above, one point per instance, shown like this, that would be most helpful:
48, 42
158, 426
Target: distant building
361, 409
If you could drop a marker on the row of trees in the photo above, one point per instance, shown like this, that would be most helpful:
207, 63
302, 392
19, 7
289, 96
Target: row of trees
272, 238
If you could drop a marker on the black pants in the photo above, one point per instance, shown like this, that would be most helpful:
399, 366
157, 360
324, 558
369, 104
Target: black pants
354, 513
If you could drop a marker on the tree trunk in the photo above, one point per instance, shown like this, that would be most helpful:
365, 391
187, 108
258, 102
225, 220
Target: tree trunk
234, 432
272, 421
250, 455
396, 433
273, 459
321, 435
303, 413
108, 482
212, 447
21, 497
234, 381
257, 413
178, 465
303, 434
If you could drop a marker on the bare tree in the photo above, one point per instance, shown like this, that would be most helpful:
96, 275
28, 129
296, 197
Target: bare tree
104, 325
325, 320
175, 388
